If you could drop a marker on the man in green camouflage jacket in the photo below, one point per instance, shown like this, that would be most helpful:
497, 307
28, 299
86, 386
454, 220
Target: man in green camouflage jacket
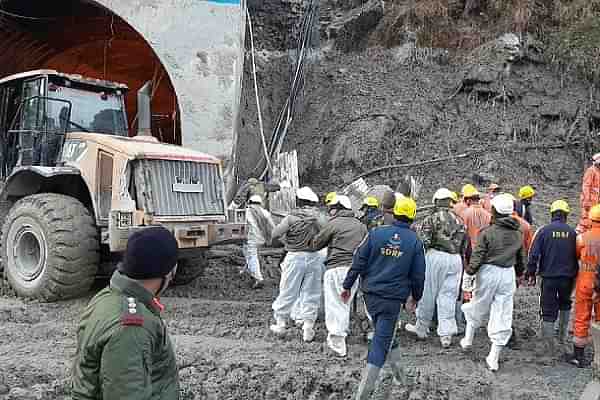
444, 237
123, 350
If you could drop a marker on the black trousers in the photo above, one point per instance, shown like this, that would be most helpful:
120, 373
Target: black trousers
555, 296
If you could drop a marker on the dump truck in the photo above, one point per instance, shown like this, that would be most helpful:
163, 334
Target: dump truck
75, 185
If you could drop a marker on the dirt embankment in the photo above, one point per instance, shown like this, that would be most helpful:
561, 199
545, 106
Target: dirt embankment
383, 90
225, 351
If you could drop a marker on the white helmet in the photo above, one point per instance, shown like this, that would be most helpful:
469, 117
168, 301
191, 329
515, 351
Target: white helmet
344, 201
596, 158
503, 204
442, 194
255, 199
306, 193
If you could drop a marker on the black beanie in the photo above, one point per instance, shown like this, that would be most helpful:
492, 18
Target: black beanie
151, 253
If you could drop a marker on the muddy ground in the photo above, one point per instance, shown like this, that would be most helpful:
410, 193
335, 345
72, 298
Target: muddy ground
225, 351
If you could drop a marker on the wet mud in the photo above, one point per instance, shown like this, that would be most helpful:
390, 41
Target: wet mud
225, 351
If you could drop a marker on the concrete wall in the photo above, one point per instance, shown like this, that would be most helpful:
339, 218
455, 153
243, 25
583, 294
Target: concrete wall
200, 43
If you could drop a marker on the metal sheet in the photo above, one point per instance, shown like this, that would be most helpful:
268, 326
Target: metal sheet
161, 176
285, 169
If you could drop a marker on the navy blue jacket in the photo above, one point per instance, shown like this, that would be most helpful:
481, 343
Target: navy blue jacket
390, 262
553, 252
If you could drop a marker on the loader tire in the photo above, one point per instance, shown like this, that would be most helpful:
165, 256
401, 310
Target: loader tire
190, 267
50, 247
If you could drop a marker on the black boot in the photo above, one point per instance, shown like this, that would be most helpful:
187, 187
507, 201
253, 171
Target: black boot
578, 357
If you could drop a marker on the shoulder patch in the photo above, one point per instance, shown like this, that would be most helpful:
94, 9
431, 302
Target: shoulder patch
132, 319
130, 315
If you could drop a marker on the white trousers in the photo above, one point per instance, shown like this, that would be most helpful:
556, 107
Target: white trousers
442, 284
337, 313
252, 261
300, 286
493, 298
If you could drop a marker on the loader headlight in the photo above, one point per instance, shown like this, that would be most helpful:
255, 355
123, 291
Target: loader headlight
124, 219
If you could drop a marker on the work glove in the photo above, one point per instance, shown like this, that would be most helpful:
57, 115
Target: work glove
285, 185
468, 282
233, 206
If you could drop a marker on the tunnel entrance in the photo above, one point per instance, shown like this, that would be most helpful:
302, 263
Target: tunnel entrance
83, 37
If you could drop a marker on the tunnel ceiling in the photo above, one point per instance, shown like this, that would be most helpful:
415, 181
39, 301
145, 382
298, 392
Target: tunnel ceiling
79, 36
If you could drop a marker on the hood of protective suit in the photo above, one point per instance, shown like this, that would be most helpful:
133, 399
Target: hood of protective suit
509, 223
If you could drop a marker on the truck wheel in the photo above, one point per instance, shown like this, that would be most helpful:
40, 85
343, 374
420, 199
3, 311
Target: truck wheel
190, 267
50, 247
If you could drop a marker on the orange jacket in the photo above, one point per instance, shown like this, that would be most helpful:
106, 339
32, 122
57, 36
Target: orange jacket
527, 231
486, 202
590, 188
590, 195
459, 208
588, 249
475, 219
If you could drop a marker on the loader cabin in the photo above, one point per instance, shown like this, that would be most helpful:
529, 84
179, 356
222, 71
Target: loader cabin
38, 108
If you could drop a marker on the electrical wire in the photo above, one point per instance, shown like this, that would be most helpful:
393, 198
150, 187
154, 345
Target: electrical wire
259, 111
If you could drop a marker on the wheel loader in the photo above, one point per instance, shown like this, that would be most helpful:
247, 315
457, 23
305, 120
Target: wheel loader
75, 185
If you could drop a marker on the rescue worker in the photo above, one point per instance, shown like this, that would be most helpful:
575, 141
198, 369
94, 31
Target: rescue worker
341, 236
445, 239
372, 215
525, 229
391, 265
329, 198
260, 227
474, 216
461, 205
490, 276
590, 193
123, 349
388, 201
455, 199
553, 256
492, 191
526, 195
588, 253
254, 187
302, 268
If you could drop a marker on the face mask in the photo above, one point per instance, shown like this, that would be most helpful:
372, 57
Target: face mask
166, 280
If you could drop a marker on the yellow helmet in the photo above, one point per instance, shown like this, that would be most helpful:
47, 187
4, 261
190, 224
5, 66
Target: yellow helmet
454, 197
469, 191
526, 192
595, 213
560, 205
371, 202
405, 207
330, 197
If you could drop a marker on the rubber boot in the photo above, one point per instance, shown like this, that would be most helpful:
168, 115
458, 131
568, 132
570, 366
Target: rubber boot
446, 341
548, 337
467, 341
395, 359
492, 359
563, 326
419, 328
368, 383
308, 331
578, 357
279, 327
337, 344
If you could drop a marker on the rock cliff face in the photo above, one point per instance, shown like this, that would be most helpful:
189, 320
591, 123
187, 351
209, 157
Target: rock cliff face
405, 81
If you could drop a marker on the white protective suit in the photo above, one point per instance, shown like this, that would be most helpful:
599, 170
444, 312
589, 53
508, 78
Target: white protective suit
300, 286
493, 298
337, 313
442, 286
260, 225
296, 314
